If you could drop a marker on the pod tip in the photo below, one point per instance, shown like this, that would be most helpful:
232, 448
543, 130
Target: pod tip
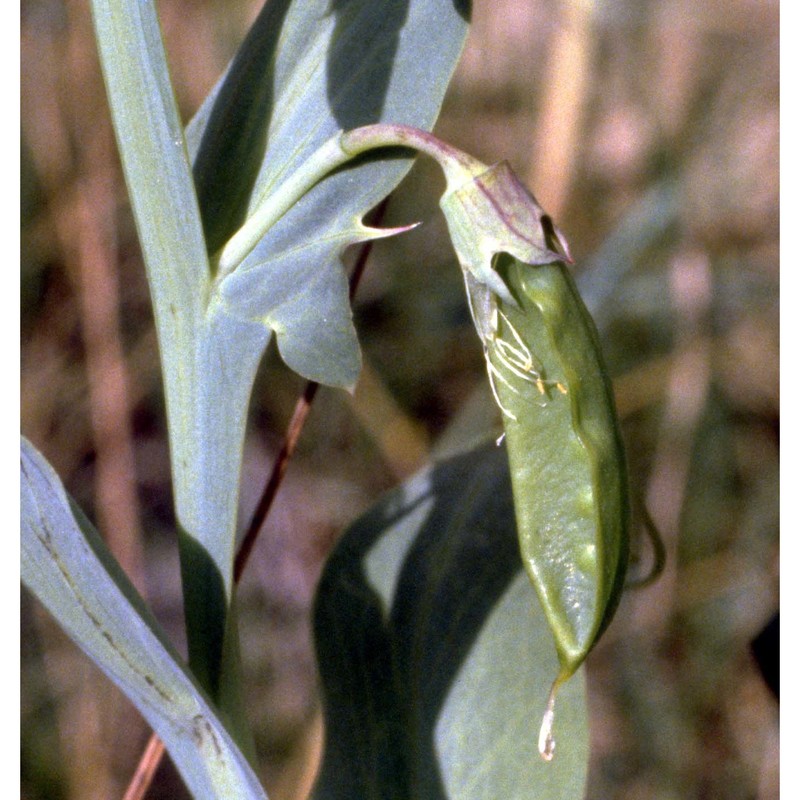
547, 742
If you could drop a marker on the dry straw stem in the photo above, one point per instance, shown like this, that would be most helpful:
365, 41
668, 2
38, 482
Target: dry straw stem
566, 85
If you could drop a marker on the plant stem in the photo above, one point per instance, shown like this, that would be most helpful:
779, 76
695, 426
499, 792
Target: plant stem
293, 430
154, 750
146, 769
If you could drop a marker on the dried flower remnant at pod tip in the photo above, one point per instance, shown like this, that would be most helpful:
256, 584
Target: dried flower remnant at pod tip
493, 213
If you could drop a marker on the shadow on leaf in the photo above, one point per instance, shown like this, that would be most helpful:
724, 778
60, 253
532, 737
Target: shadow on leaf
434, 657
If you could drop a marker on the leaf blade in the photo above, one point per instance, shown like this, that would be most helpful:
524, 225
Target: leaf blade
66, 565
205, 454
363, 62
156, 163
432, 648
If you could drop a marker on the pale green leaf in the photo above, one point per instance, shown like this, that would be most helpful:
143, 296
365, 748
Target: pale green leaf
158, 175
208, 368
333, 67
305, 69
435, 657
69, 569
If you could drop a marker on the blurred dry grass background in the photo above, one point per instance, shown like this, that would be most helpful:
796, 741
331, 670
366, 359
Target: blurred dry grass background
650, 132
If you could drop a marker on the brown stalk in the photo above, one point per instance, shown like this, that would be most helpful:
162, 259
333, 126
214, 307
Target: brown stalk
566, 85
146, 769
154, 750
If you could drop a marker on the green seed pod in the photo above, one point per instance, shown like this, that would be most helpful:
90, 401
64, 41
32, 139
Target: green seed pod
566, 455
547, 375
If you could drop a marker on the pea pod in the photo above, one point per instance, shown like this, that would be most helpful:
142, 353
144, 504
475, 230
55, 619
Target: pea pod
566, 456
561, 430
